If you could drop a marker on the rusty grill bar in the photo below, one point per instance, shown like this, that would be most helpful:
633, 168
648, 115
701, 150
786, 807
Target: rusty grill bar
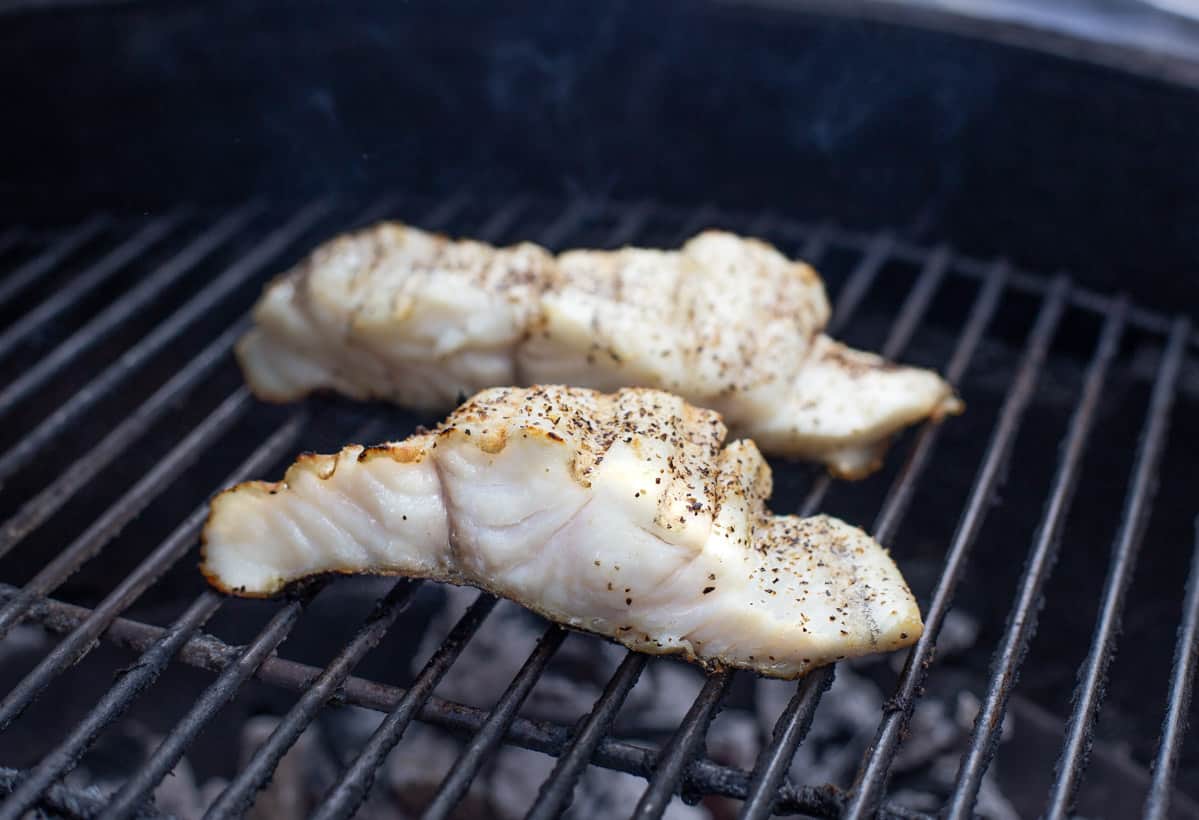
681, 764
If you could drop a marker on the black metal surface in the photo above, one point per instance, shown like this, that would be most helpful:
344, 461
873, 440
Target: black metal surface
683, 747
556, 792
168, 331
1022, 623
1182, 679
83, 637
485, 741
353, 787
239, 795
1087, 698
868, 790
44, 263
681, 765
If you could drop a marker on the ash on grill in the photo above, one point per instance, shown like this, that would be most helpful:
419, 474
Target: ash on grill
507, 787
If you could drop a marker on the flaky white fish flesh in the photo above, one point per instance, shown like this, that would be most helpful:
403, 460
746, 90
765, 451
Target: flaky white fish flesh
623, 514
397, 313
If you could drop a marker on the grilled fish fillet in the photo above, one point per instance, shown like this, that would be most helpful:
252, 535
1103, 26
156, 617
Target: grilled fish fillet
396, 313
620, 514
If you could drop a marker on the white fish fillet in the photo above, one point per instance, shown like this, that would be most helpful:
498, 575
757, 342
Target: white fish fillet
729, 323
620, 514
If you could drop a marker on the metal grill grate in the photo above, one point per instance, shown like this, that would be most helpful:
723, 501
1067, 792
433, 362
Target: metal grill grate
124, 367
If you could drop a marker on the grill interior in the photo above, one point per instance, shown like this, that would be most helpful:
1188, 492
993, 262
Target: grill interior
1058, 511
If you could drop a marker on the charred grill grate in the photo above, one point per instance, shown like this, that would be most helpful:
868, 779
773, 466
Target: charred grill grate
112, 331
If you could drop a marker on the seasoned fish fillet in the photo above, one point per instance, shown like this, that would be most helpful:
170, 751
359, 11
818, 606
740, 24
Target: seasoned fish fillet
397, 313
620, 514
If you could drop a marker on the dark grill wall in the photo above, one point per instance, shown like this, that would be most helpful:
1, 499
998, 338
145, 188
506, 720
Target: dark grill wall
142, 105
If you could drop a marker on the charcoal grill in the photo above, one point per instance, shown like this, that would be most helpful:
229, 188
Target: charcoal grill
121, 398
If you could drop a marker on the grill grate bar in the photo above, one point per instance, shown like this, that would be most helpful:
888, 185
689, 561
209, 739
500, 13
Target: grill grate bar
64, 802
555, 794
220, 692
859, 282
973, 267
237, 798
106, 711
684, 746
792, 725
45, 262
455, 784
1022, 621
79, 473
120, 311
488, 730
789, 731
200, 305
106, 527
207, 652
867, 794
112, 705
354, 786
1182, 675
1088, 696
82, 638
95, 275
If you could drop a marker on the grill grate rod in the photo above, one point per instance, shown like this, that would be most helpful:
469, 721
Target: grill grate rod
354, 786
685, 745
126, 508
200, 305
80, 472
1182, 675
220, 692
556, 792
112, 705
49, 259
792, 725
62, 801
82, 638
96, 329
453, 787
1087, 697
207, 652
95, 275
1022, 620
205, 605
868, 791
239, 795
